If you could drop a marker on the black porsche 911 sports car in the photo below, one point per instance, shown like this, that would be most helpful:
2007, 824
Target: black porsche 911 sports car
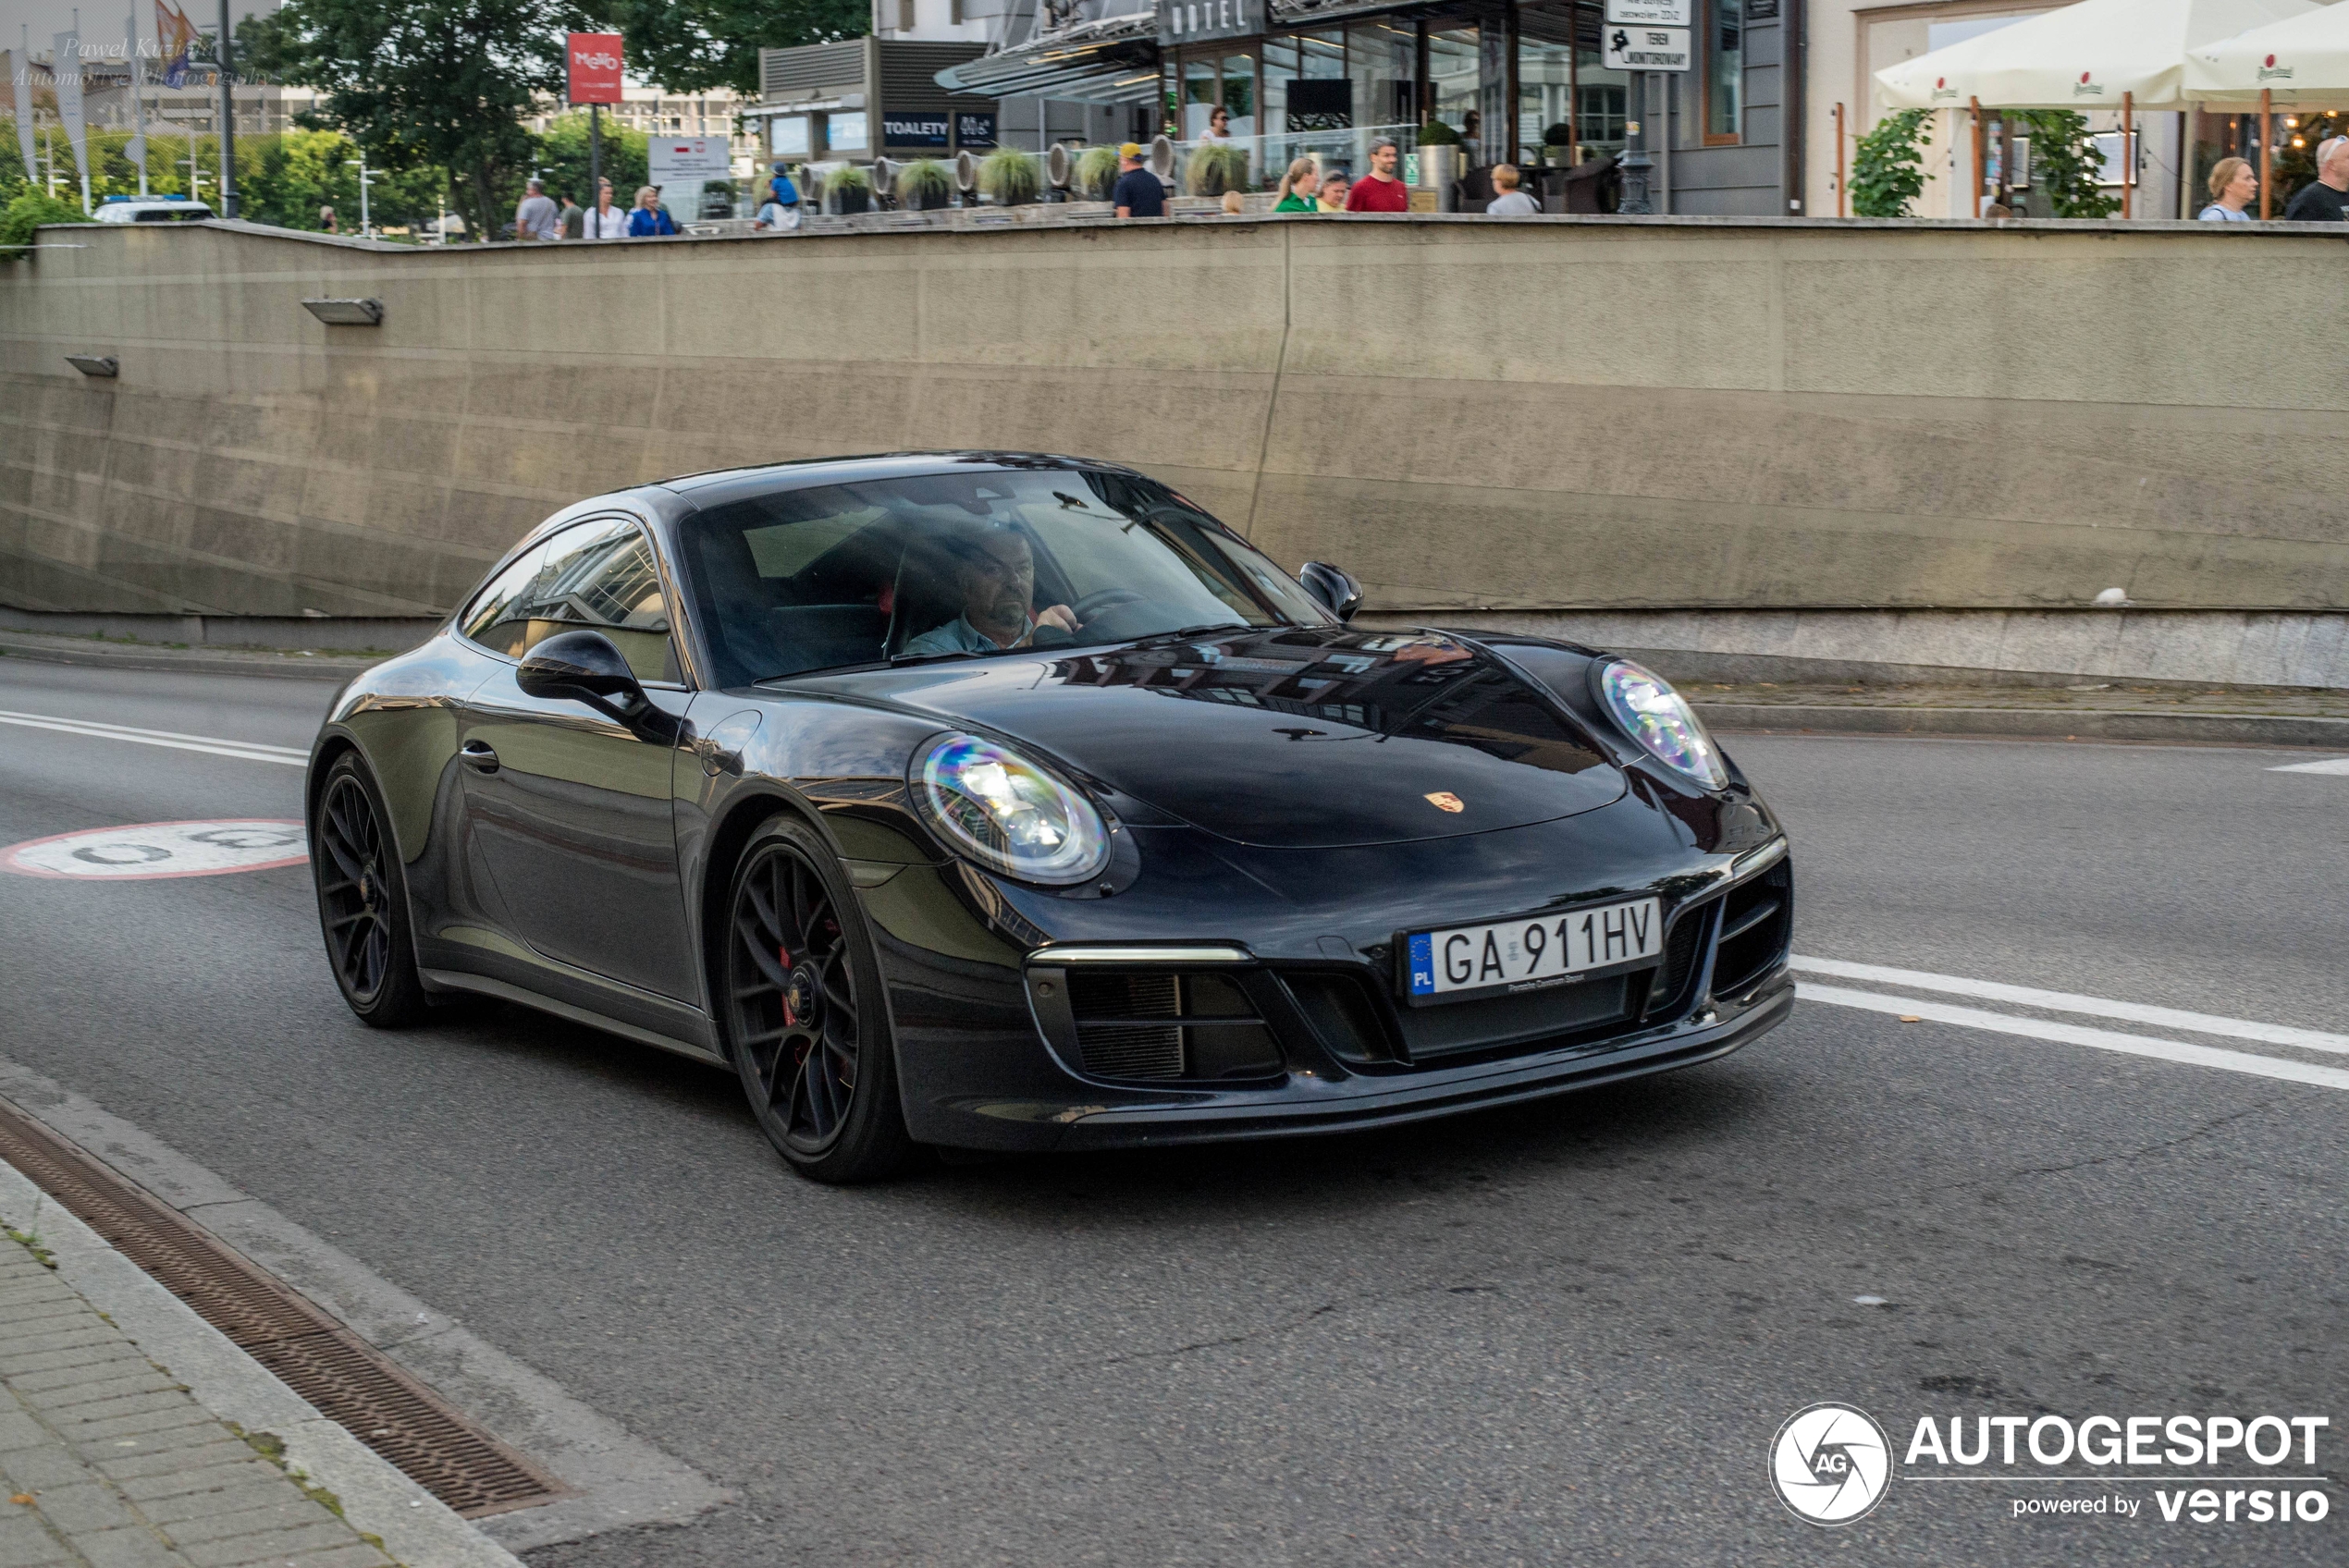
1003, 801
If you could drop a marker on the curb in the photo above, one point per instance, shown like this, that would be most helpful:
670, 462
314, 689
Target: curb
92, 653
621, 1481
2054, 724
416, 1527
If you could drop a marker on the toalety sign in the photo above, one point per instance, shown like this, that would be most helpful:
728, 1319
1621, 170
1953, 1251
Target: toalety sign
1831, 1463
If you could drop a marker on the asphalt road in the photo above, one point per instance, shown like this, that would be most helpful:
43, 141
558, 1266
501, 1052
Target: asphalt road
1565, 1333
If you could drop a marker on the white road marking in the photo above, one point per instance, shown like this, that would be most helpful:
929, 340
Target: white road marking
2331, 764
245, 751
146, 851
2066, 1001
2073, 1035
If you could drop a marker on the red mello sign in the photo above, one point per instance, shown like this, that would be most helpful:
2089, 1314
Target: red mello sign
594, 68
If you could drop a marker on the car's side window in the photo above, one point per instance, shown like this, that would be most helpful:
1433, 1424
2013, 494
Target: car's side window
598, 575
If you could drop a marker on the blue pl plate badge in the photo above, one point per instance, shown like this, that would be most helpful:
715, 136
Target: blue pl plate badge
1423, 965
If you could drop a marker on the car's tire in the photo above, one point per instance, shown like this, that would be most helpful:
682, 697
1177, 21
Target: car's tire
802, 1010
363, 899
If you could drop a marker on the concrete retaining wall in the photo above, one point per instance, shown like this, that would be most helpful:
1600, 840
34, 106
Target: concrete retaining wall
1663, 417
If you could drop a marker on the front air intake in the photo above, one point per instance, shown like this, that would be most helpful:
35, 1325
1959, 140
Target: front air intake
1152, 1025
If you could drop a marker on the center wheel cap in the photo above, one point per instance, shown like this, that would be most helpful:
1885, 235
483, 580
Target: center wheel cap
799, 996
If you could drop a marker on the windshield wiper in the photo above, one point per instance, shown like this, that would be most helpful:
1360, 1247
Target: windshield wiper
943, 654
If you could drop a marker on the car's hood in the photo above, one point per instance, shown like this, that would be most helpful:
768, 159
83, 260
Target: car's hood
1286, 737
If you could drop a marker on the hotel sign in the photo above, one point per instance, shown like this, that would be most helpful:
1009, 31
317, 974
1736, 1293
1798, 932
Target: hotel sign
1196, 21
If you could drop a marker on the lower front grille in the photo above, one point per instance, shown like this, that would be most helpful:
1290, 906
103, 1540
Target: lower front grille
1151, 1025
1757, 928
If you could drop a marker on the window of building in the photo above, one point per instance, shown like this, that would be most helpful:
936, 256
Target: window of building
1725, 73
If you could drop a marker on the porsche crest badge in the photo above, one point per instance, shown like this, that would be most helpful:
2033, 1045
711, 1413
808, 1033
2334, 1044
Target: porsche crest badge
1444, 799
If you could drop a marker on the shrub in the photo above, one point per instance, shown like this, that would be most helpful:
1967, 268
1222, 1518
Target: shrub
1558, 135
27, 213
848, 188
1435, 133
1096, 173
1009, 176
1215, 167
2064, 163
925, 183
1887, 166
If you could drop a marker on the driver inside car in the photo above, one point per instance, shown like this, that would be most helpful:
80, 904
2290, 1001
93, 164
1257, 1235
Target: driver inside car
995, 573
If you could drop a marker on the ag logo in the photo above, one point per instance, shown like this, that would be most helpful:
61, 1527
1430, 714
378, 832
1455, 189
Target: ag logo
1830, 1463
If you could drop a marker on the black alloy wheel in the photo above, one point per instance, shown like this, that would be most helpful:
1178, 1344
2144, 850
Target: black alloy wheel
804, 1020
363, 899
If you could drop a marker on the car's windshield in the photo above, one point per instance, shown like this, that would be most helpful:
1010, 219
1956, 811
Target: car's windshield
965, 564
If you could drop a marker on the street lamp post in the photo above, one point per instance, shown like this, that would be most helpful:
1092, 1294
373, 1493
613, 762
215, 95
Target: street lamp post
367, 227
227, 120
1636, 162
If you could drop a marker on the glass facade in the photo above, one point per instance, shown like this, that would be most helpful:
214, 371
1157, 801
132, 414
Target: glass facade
1503, 76
1724, 73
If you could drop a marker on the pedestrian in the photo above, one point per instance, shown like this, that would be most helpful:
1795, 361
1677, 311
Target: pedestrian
2321, 201
1381, 190
774, 216
1511, 202
1297, 186
648, 217
534, 216
1137, 194
607, 221
781, 190
2233, 185
327, 220
1218, 125
1336, 186
572, 218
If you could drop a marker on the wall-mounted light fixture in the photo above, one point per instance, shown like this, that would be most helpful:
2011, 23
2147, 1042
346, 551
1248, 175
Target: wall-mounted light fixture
347, 312
95, 365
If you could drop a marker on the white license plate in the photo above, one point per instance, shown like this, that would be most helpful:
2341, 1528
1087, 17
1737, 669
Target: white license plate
1525, 953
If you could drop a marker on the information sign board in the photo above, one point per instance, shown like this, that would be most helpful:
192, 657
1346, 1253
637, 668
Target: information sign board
1646, 49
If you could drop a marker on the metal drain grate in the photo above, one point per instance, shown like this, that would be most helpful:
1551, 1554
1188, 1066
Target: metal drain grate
349, 1380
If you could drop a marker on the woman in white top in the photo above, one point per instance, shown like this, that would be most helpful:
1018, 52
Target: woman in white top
604, 220
2235, 186
1218, 125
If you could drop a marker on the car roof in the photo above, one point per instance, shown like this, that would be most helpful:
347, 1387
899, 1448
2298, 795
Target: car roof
719, 486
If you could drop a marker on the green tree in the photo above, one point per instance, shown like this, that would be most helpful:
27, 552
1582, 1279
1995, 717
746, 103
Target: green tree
29, 209
687, 45
289, 177
1887, 166
562, 160
2064, 163
424, 83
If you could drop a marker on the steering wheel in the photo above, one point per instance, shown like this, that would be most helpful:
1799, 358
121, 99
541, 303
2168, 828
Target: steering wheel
1092, 605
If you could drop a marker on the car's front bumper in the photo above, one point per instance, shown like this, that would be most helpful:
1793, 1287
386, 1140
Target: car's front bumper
1313, 1105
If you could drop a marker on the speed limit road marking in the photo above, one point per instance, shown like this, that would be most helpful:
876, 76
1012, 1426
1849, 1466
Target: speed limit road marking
147, 851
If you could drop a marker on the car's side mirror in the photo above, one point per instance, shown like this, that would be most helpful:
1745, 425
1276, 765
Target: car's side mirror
1338, 592
584, 666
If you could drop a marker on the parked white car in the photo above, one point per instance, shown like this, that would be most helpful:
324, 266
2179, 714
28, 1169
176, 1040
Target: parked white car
152, 209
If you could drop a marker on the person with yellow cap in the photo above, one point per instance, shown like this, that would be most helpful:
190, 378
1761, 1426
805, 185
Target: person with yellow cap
1137, 194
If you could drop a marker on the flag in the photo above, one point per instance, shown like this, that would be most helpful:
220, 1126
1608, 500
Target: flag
176, 36
20, 73
65, 69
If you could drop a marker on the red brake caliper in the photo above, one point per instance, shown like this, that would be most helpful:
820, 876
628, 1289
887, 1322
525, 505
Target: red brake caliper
791, 1019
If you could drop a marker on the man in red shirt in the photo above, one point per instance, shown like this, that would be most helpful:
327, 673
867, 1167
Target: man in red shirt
1379, 190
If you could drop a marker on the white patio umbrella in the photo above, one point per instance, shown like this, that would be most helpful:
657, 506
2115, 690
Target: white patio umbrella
2301, 60
2124, 54
2082, 57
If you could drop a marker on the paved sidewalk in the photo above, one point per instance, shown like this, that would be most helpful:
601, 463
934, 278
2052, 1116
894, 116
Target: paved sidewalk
106, 1462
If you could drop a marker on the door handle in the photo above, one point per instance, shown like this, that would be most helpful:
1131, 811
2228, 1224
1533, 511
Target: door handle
478, 754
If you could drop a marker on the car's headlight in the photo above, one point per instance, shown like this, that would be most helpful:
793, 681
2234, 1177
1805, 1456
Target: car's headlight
1660, 719
1007, 814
